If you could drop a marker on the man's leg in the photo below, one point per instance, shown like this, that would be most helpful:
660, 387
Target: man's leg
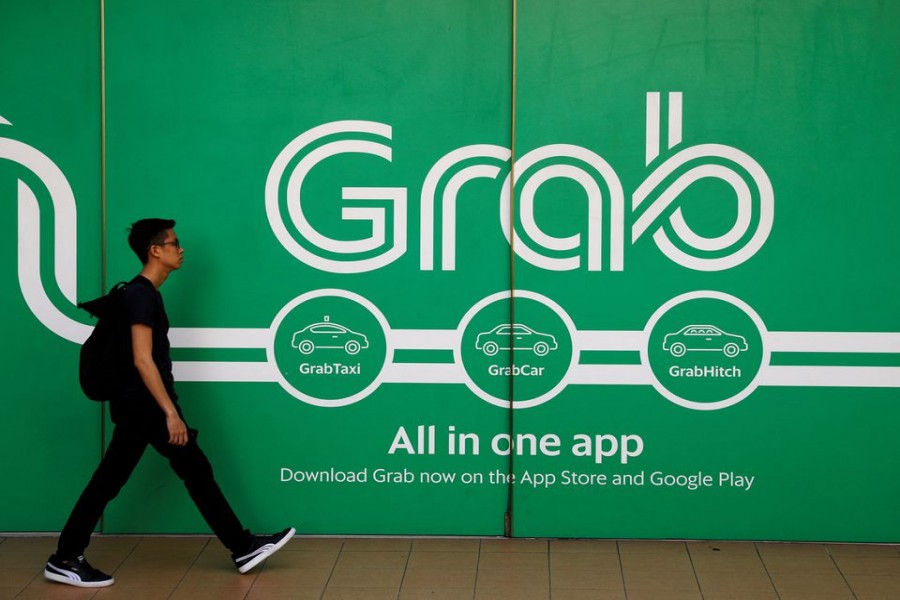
122, 456
191, 465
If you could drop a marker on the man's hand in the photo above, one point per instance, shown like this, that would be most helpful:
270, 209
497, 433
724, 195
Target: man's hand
178, 433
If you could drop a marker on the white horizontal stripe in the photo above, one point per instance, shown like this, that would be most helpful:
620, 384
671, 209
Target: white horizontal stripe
609, 340
423, 339
863, 377
224, 371
196, 337
443, 373
447, 339
609, 375
423, 373
828, 341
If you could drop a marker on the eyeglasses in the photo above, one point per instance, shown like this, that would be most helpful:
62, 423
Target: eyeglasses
176, 242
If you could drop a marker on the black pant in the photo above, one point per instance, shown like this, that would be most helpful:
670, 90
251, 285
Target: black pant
129, 440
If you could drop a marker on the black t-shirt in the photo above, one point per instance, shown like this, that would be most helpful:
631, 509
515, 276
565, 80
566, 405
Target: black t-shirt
144, 306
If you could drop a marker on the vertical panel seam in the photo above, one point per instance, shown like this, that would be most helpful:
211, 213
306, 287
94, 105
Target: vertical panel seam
508, 521
102, 6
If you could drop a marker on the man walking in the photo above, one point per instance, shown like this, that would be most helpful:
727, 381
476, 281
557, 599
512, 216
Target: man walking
146, 412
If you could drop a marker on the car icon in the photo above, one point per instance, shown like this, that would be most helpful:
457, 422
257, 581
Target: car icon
704, 338
327, 334
515, 337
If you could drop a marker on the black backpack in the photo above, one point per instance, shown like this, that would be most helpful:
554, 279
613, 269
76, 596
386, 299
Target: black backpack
106, 355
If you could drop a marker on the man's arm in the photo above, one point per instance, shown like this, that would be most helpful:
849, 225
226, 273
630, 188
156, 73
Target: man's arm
142, 347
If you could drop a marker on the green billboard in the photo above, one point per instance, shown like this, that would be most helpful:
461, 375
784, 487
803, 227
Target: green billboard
574, 269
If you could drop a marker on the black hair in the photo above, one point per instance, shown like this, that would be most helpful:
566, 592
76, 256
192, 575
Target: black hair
146, 233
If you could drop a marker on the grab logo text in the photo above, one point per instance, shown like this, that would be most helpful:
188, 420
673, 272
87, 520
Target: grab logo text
384, 210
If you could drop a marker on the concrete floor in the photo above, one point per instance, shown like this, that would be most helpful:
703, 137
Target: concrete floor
198, 568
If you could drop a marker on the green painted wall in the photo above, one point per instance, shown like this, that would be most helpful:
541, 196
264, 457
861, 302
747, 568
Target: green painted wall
701, 339
50, 103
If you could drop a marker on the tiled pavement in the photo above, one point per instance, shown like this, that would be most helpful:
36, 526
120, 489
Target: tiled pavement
198, 568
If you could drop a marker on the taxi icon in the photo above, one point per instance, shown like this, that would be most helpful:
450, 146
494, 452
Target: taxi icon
328, 334
515, 337
704, 338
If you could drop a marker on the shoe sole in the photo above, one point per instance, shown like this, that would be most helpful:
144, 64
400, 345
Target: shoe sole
267, 553
77, 582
